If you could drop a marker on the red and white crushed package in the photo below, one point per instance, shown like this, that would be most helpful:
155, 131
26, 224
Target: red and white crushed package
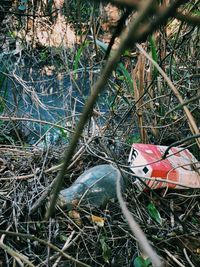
179, 169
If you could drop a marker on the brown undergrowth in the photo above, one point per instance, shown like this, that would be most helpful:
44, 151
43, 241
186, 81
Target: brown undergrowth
139, 106
109, 243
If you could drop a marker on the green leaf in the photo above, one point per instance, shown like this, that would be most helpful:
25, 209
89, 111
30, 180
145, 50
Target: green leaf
63, 238
63, 133
126, 76
127, 53
121, 68
78, 57
140, 262
38, 224
106, 250
2, 104
154, 213
135, 138
196, 12
153, 53
153, 48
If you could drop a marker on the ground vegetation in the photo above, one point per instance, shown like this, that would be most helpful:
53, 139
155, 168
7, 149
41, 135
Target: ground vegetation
80, 82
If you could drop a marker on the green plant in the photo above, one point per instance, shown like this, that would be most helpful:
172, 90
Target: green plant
141, 262
154, 213
78, 57
44, 55
153, 54
126, 76
134, 138
3, 90
106, 250
2, 104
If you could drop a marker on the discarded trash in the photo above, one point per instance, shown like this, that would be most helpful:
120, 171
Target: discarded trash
96, 186
179, 169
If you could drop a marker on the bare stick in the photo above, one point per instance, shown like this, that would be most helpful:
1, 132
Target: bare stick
16, 255
137, 31
5, 118
32, 237
135, 228
193, 127
127, 38
173, 258
177, 143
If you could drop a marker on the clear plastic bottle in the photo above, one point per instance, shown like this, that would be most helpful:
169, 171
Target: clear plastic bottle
95, 186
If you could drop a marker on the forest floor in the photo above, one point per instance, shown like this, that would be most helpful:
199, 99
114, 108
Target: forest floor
43, 92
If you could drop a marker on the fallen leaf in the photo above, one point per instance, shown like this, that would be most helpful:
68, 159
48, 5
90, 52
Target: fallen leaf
154, 213
106, 250
97, 220
75, 216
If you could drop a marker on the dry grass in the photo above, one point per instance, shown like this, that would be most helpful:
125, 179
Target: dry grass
80, 236
145, 114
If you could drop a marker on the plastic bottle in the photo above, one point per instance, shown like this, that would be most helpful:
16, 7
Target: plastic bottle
95, 186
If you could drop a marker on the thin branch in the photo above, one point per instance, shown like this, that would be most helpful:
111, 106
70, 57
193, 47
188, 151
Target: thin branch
16, 255
135, 228
191, 122
124, 3
188, 18
163, 14
5, 118
187, 258
179, 143
183, 104
174, 258
32, 237
28, 14
127, 37
135, 32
